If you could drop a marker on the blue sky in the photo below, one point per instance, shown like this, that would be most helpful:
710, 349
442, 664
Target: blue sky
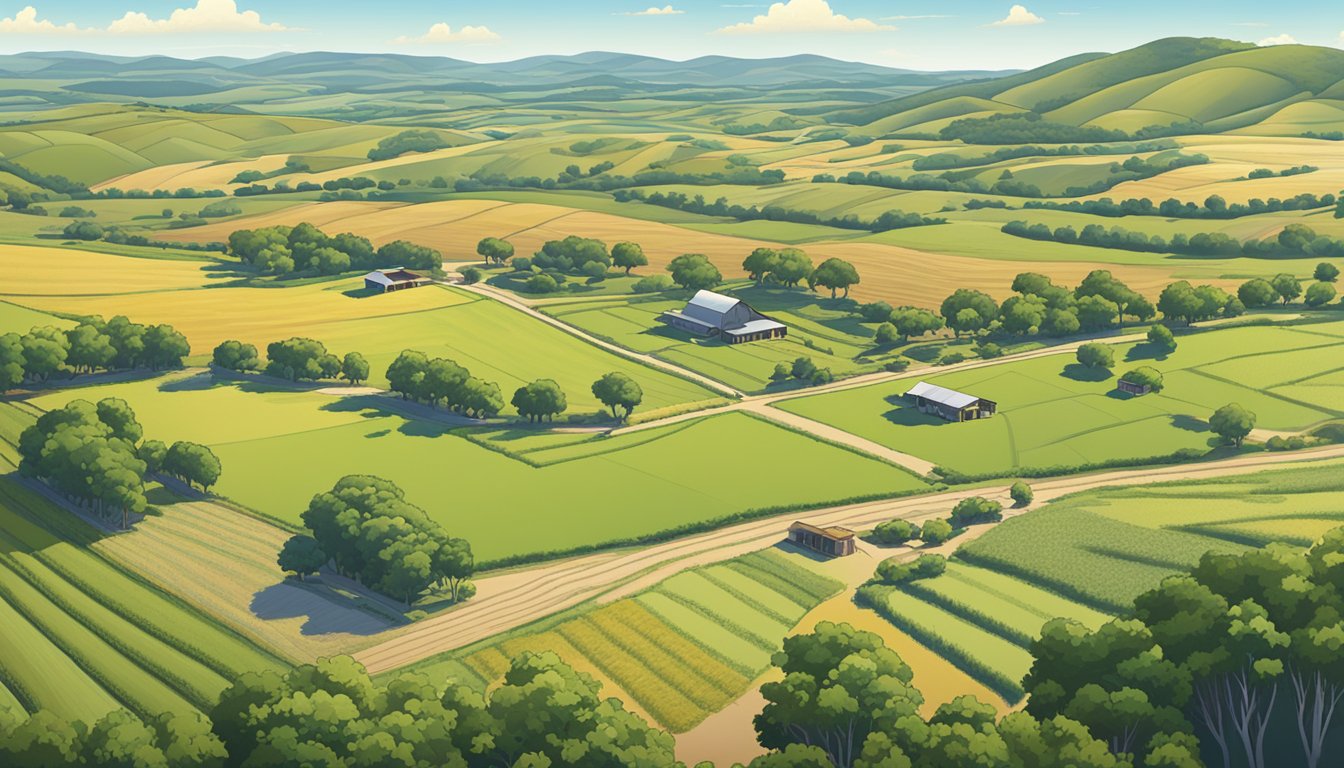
970, 34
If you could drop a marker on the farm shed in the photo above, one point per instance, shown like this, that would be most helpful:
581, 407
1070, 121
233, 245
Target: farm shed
834, 541
1133, 388
387, 280
733, 320
950, 404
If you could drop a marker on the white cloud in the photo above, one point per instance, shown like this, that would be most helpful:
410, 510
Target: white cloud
654, 10
207, 16
25, 22
1018, 16
803, 16
442, 33
1284, 39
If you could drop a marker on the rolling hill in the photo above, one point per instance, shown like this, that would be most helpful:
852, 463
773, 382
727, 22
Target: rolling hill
1204, 85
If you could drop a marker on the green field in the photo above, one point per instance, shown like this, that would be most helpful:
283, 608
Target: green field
682, 650
826, 331
1086, 557
548, 496
1053, 413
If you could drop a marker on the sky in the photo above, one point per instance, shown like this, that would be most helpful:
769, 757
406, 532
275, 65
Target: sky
925, 35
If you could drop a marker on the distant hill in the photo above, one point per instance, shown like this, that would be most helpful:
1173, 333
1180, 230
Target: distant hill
1197, 84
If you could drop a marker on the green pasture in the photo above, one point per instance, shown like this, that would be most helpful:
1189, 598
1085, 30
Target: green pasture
555, 495
1053, 413
826, 331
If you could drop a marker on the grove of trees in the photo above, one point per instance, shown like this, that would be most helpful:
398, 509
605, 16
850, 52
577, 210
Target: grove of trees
415, 376
305, 249
369, 532
48, 352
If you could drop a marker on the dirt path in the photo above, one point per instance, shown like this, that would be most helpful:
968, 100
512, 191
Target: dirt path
508, 299
513, 599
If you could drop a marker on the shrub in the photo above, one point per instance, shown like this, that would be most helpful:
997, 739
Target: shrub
654, 284
1094, 355
1160, 336
893, 571
976, 510
1021, 494
541, 284
472, 275
895, 532
1144, 375
935, 532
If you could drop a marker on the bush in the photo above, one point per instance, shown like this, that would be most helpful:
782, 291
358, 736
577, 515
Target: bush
974, 511
1294, 443
935, 532
1021, 494
541, 284
654, 284
1144, 375
895, 532
220, 208
1160, 336
1094, 355
472, 275
952, 358
892, 571
83, 230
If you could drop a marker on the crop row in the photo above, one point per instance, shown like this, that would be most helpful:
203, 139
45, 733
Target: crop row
970, 653
804, 587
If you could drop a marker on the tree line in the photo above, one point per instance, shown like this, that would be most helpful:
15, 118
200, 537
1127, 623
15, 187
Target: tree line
950, 181
305, 249
47, 352
95, 455
943, 161
1031, 127
1213, 207
295, 359
770, 212
1293, 241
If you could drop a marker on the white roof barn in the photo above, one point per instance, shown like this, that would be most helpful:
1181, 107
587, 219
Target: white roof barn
714, 314
393, 279
949, 403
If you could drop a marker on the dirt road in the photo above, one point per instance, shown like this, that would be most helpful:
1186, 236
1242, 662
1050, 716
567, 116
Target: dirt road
516, 598
508, 299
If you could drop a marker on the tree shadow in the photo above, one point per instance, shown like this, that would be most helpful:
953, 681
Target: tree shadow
289, 601
1080, 372
193, 383
906, 416
1189, 423
1146, 350
362, 293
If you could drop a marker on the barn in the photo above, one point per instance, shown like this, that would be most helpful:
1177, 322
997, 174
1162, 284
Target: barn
388, 280
950, 404
733, 320
833, 541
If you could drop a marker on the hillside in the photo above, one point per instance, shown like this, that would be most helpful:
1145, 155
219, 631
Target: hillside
1205, 85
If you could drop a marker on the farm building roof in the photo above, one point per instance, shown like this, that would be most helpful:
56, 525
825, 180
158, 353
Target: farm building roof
713, 302
833, 532
942, 395
393, 276
756, 326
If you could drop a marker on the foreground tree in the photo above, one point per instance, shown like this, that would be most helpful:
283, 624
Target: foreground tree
354, 368
541, 400
694, 271
193, 464
234, 355
760, 263
1325, 272
494, 250
617, 390
301, 555
627, 256
1232, 423
1319, 294
1162, 339
835, 274
968, 311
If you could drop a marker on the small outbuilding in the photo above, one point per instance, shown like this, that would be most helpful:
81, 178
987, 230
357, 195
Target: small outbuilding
733, 320
1133, 387
832, 542
950, 404
388, 280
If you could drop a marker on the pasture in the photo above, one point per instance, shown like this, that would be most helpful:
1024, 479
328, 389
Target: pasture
680, 651
825, 330
1086, 557
1054, 413
532, 499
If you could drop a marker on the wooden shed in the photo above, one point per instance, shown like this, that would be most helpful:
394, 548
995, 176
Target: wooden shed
833, 541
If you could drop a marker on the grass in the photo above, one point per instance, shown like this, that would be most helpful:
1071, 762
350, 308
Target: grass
680, 651
1054, 414
682, 475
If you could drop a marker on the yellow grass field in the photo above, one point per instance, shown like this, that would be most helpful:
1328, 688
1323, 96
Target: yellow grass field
39, 271
890, 273
198, 174
254, 315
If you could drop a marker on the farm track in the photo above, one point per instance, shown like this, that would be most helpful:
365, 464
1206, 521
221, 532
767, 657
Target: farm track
514, 599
